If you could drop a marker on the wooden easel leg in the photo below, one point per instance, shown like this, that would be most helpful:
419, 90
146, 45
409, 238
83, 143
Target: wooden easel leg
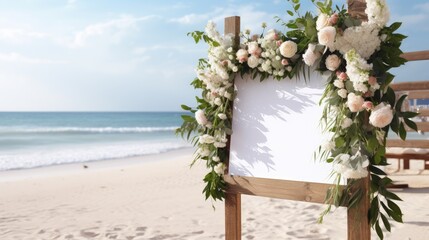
232, 216
358, 227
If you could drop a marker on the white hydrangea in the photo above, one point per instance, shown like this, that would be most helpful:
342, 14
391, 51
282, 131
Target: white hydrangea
357, 70
377, 12
364, 39
206, 139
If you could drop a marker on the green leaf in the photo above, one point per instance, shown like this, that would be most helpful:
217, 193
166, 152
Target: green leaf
374, 210
395, 26
385, 222
376, 170
379, 231
402, 131
400, 102
290, 12
389, 96
411, 124
395, 208
409, 114
394, 125
184, 107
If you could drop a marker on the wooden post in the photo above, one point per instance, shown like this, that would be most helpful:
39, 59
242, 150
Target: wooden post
356, 8
358, 227
232, 200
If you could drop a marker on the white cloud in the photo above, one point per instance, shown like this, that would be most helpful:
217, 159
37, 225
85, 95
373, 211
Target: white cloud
116, 28
250, 16
18, 58
190, 18
71, 3
18, 34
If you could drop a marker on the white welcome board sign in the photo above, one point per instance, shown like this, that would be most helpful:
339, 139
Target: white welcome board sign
276, 129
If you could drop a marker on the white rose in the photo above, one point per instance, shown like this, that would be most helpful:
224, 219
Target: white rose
222, 116
342, 93
204, 152
328, 145
326, 36
381, 115
355, 174
355, 102
253, 48
322, 21
217, 101
347, 122
242, 55
219, 144
206, 139
253, 61
332, 62
271, 35
216, 159
227, 95
219, 168
339, 83
288, 49
201, 118
310, 56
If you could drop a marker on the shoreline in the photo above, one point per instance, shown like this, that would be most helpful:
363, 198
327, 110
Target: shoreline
96, 165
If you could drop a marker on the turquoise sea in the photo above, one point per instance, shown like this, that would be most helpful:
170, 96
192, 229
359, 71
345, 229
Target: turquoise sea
35, 139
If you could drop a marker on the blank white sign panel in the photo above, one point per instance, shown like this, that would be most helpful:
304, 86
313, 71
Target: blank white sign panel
276, 129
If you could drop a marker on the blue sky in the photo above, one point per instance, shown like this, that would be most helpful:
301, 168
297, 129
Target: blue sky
134, 55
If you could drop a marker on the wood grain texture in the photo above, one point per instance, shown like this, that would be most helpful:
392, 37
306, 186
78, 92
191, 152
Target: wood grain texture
232, 26
356, 8
232, 200
408, 143
274, 188
358, 226
416, 56
232, 216
409, 86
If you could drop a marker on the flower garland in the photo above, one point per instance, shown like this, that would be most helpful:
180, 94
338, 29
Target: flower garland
359, 106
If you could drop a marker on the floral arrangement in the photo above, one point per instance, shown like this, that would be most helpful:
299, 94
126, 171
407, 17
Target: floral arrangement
359, 106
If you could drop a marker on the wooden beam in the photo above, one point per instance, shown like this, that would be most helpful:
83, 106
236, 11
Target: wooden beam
416, 56
418, 94
407, 143
409, 86
275, 188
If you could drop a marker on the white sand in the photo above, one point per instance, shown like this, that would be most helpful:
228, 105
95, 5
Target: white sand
159, 197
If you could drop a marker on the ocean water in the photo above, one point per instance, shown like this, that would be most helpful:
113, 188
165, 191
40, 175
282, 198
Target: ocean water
35, 139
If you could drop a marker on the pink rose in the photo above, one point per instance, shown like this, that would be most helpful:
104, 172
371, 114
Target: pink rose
343, 76
372, 80
333, 19
242, 55
368, 105
381, 115
279, 42
285, 62
252, 47
327, 35
355, 102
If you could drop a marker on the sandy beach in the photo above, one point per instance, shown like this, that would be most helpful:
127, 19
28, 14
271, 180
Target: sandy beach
159, 197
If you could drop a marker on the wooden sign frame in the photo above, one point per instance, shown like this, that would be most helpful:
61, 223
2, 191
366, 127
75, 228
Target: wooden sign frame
358, 227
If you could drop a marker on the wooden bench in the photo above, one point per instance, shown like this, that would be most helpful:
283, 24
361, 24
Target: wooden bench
412, 149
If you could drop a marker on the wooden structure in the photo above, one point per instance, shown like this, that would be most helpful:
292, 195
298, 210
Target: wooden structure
358, 224
414, 90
